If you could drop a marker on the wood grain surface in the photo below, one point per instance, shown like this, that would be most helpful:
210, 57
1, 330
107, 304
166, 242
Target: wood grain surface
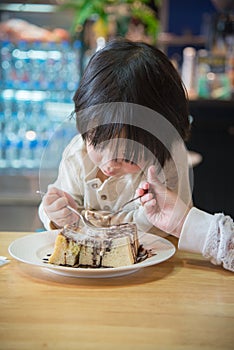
182, 303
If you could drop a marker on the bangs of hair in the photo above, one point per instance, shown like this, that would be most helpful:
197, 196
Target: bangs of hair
136, 144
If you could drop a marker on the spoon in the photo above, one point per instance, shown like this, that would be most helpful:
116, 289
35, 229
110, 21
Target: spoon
107, 217
86, 222
82, 218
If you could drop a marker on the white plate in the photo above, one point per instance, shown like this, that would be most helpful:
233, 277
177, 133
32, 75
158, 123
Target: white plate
31, 249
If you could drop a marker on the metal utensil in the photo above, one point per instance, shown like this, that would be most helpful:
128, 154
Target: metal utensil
82, 218
128, 202
109, 216
86, 222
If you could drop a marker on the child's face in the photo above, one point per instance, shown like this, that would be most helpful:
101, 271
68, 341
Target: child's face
109, 166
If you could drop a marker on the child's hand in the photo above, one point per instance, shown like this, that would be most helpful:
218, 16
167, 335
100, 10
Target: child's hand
55, 202
163, 208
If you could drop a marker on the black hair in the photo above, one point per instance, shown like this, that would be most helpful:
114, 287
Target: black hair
134, 73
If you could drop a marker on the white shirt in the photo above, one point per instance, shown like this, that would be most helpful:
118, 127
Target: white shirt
78, 176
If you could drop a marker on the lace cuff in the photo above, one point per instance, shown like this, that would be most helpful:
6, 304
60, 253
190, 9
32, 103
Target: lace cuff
219, 244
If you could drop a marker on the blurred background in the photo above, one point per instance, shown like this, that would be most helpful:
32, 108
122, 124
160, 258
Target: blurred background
44, 48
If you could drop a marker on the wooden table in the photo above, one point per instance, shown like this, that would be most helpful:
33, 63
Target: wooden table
182, 303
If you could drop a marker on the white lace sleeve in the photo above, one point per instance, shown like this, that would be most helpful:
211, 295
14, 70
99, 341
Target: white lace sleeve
219, 243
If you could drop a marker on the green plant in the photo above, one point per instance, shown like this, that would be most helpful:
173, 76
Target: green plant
140, 10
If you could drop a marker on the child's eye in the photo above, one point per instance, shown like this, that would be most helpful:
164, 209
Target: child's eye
128, 161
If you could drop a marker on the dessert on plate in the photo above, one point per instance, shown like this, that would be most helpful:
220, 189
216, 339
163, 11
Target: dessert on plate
114, 246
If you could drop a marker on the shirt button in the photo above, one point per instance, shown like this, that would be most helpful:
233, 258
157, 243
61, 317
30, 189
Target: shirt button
94, 185
106, 207
103, 196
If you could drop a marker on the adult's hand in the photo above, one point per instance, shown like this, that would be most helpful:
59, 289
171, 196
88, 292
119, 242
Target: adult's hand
163, 208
